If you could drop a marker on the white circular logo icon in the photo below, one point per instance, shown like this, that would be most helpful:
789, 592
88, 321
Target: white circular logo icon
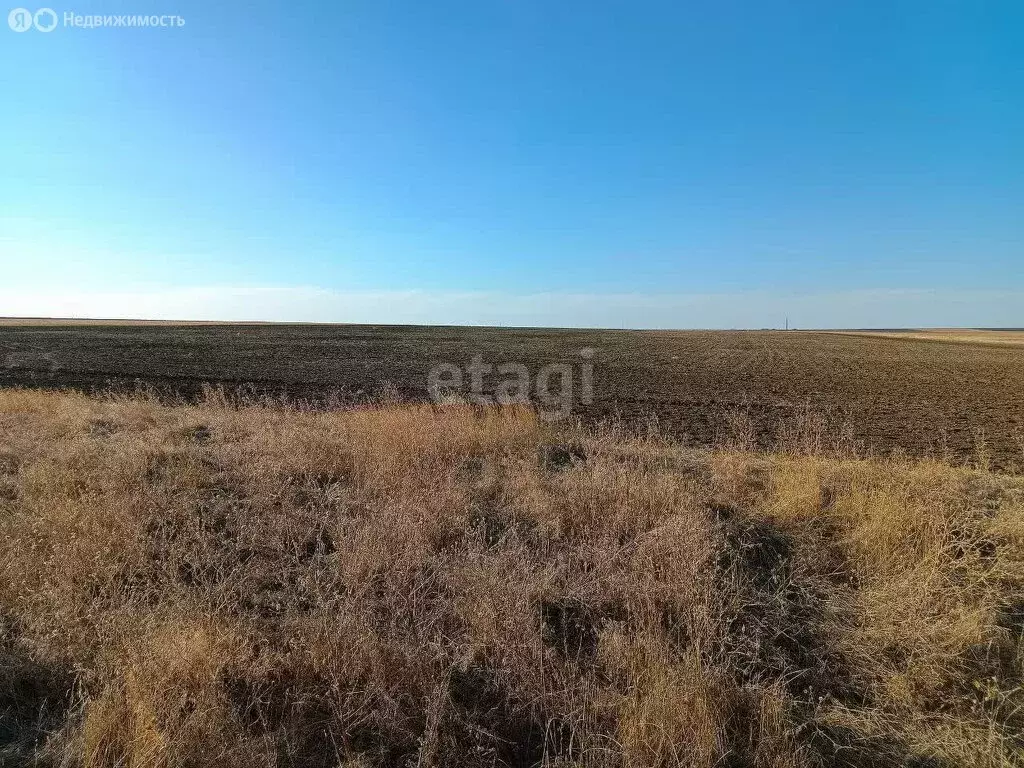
20, 19
45, 20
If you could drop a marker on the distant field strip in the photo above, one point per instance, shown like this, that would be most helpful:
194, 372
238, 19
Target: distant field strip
898, 390
956, 335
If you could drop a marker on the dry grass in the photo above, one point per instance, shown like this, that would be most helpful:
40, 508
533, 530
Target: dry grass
956, 335
225, 584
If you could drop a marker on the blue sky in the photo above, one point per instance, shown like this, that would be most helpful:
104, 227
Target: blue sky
714, 164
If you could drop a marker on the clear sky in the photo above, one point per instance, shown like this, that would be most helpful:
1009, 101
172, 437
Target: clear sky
707, 164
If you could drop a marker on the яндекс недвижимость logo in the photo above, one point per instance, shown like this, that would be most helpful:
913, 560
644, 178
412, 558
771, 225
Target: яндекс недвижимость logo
22, 20
46, 20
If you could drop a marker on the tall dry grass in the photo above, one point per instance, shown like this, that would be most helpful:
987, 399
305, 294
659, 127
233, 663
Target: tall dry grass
227, 584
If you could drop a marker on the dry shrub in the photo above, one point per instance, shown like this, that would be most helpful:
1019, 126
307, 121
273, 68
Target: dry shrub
253, 583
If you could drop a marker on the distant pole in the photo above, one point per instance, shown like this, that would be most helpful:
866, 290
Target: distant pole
787, 322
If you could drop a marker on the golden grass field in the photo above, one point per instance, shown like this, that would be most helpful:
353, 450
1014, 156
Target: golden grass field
1014, 337
227, 584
